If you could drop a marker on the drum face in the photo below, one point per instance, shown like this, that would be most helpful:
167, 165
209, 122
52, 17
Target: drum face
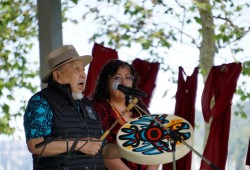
146, 141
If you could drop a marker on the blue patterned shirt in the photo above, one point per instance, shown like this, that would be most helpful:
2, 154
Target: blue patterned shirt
37, 118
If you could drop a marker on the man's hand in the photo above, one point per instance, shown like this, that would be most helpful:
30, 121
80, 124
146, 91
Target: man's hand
89, 146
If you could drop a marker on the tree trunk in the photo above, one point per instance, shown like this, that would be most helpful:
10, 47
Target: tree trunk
207, 49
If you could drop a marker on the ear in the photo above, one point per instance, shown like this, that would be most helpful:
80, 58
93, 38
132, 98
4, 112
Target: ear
57, 75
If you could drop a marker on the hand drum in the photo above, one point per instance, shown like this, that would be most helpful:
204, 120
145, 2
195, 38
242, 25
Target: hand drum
145, 141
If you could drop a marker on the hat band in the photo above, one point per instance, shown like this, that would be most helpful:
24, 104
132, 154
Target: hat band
64, 57
61, 63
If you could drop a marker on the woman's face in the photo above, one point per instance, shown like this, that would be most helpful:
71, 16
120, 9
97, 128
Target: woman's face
123, 76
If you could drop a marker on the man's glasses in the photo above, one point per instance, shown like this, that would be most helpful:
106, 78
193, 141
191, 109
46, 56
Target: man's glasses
119, 78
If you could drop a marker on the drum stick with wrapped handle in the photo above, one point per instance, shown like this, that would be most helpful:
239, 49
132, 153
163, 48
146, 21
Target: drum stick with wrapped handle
128, 108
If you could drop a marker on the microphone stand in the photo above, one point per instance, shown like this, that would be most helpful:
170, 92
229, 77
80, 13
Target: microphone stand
47, 141
44, 143
175, 137
69, 151
173, 148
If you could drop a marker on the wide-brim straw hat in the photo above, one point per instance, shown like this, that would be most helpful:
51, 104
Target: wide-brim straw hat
61, 56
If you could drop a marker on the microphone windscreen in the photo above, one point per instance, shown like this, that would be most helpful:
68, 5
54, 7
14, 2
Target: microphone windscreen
115, 85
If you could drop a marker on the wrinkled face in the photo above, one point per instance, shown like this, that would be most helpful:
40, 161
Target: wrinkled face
72, 73
123, 76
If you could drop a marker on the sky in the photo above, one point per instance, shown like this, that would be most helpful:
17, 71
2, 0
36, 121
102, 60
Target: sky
179, 55
187, 57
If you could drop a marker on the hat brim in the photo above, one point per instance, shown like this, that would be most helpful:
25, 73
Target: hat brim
86, 60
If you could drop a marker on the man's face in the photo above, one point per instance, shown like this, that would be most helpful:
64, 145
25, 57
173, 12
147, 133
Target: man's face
73, 73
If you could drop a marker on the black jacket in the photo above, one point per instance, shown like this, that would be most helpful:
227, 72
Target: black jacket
71, 119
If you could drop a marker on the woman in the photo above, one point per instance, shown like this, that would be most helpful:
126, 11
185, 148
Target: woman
109, 104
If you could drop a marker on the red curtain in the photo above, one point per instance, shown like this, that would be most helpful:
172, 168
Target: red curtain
219, 89
147, 73
185, 108
100, 55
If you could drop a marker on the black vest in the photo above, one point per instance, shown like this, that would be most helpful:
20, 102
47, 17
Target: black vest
71, 119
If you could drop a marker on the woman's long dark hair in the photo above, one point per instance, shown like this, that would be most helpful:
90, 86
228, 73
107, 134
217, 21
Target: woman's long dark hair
109, 70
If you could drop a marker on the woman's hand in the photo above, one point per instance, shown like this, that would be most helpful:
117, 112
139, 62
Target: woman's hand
110, 151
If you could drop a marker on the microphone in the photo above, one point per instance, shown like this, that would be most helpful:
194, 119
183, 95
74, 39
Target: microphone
128, 90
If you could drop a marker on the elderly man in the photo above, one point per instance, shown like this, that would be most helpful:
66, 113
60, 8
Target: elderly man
61, 127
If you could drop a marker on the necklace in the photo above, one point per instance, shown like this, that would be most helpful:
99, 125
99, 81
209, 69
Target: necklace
122, 121
117, 114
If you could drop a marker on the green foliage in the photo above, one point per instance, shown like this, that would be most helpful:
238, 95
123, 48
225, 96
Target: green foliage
246, 68
18, 25
156, 25
132, 25
4, 124
243, 91
153, 25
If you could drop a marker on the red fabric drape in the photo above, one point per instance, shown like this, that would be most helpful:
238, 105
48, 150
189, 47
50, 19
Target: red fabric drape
185, 108
220, 86
147, 73
100, 55
248, 154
